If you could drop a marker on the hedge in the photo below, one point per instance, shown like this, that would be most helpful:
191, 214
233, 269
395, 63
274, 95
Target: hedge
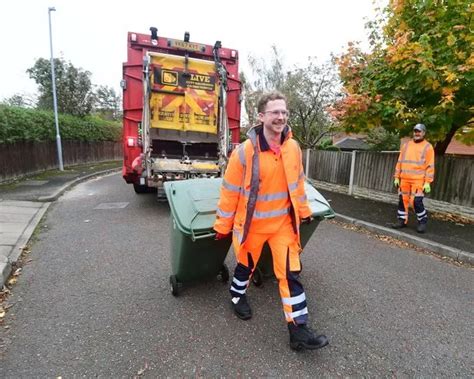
22, 124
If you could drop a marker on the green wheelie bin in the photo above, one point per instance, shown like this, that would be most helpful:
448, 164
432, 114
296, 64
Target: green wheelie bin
321, 211
195, 254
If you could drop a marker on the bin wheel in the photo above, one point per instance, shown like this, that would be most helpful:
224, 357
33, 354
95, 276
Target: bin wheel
224, 274
174, 285
257, 278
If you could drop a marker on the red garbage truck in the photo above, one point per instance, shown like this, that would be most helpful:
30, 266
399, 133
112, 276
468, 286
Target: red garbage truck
181, 109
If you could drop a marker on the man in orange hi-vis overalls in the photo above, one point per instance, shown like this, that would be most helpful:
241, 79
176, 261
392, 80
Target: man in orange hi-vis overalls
263, 200
413, 174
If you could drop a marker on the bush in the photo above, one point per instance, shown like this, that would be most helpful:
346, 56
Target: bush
21, 124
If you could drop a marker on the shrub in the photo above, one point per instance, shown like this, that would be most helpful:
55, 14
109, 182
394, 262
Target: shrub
21, 124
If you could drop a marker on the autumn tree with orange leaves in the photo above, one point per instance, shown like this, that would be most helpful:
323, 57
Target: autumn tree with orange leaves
420, 69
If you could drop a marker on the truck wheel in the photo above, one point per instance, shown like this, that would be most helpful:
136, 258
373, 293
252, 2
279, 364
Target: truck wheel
139, 188
174, 285
257, 278
224, 274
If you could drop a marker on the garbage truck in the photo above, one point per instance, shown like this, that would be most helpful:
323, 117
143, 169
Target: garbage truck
181, 109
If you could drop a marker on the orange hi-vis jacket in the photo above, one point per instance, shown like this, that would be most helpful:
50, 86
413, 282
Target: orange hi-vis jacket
416, 162
249, 200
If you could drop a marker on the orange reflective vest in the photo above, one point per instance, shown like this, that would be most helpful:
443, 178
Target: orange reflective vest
249, 199
416, 162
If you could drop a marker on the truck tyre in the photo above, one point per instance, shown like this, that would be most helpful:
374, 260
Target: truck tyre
139, 188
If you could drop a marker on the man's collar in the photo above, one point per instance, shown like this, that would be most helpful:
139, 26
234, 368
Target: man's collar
264, 146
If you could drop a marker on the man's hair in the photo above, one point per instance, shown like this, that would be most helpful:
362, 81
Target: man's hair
269, 96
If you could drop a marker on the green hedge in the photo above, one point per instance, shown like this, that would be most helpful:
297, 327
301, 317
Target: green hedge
21, 124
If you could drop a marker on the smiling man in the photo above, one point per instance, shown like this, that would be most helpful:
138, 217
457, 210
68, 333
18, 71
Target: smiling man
263, 200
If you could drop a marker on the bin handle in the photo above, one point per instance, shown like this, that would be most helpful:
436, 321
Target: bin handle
201, 236
195, 237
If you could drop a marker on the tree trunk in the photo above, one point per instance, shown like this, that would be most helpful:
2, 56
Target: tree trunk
441, 146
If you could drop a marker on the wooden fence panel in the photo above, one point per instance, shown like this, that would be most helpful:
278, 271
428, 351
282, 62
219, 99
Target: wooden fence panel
20, 159
454, 180
330, 166
375, 170
454, 176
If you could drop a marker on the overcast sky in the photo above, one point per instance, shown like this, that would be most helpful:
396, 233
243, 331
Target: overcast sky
92, 34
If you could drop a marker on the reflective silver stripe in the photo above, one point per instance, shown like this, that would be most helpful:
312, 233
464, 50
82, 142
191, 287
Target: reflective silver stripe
404, 151
238, 235
230, 187
414, 162
269, 214
295, 314
423, 154
429, 176
273, 196
421, 172
301, 175
294, 300
268, 196
292, 186
221, 213
242, 154
405, 193
303, 198
402, 213
232, 288
239, 283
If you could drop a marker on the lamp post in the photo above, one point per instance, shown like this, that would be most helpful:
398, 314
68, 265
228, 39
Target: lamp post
55, 103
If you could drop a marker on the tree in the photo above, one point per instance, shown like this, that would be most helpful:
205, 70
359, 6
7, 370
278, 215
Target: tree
310, 89
379, 139
107, 103
20, 100
73, 87
420, 69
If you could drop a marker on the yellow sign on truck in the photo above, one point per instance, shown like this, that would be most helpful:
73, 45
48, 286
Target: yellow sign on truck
184, 95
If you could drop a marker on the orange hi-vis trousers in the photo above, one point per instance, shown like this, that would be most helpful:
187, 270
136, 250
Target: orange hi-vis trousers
411, 193
285, 249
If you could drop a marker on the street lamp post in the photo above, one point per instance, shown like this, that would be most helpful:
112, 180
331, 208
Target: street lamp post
55, 103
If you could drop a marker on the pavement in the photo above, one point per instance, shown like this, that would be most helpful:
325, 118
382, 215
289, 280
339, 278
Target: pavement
23, 204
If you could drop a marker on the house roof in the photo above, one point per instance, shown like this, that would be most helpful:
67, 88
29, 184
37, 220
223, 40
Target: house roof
350, 143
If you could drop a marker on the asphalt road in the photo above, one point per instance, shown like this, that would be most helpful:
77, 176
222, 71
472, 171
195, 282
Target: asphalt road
95, 301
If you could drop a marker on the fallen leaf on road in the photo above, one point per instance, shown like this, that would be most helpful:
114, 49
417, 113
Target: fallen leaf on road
2, 312
12, 281
142, 371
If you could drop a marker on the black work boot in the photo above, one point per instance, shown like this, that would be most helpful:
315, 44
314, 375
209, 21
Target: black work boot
400, 224
242, 308
301, 337
421, 228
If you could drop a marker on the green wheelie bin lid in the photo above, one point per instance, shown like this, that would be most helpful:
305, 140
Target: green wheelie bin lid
193, 205
318, 204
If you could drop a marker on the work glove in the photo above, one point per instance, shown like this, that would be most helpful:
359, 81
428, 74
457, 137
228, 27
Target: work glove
220, 236
426, 188
307, 220
396, 182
